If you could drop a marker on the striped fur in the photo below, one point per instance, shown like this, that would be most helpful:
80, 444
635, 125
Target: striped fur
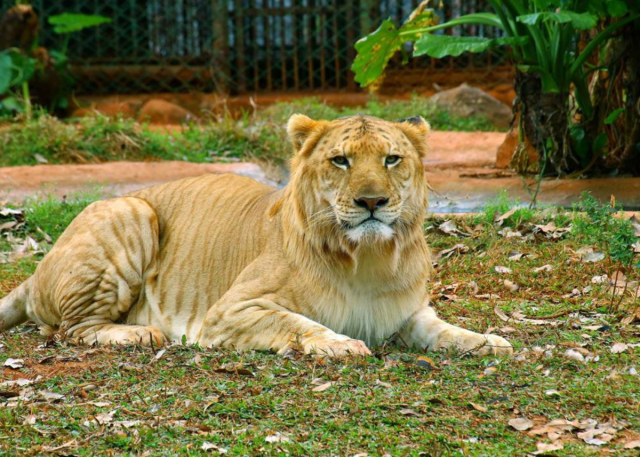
226, 261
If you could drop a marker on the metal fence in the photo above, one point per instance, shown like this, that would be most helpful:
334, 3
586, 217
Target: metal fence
236, 46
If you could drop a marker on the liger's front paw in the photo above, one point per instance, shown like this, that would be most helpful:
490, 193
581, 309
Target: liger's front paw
495, 345
330, 347
474, 343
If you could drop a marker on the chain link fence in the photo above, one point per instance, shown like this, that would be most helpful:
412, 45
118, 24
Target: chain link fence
233, 46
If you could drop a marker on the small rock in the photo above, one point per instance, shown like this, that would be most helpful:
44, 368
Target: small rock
467, 101
158, 111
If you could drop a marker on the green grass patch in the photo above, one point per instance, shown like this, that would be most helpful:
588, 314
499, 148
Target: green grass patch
258, 135
127, 401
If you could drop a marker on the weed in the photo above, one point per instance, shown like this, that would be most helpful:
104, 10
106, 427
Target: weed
259, 135
387, 404
501, 204
52, 215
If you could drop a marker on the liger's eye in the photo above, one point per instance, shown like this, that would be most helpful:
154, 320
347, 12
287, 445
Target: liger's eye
340, 161
392, 160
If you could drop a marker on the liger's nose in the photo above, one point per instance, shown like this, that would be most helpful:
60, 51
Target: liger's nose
371, 203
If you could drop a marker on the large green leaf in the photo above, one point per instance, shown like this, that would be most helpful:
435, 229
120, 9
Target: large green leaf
611, 118
439, 46
6, 64
23, 67
580, 21
616, 8
69, 22
375, 50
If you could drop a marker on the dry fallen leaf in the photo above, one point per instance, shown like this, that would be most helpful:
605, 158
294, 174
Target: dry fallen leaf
501, 218
105, 418
515, 256
501, 314
323, 387
458, 248
425, 362
636, 224
207, 446
543, 268
618, 348
544, 448
575, 355
51, 396
277, 438
409, 412
512, 286
592, 256
521, 424
503, 270
632, 444
14, 363
477, 407
449, 227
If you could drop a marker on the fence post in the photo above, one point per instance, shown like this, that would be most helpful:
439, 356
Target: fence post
238, 11
220, 72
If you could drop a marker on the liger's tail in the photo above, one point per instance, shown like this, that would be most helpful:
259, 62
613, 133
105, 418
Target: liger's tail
13, 307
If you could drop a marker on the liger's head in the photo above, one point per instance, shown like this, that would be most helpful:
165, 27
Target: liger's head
363, 176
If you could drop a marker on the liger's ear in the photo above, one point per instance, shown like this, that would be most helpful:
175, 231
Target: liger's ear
417, 130
299, 128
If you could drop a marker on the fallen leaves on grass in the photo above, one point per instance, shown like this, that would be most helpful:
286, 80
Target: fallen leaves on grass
50, 396
544, 448
551, 231
207, 446
636, 225
632, 444
517, 316
323, 387
234, 368
477, 407
521, 424
15, 364
589, 430
277, 437
105, 418
456, 249
574, 355
503, 270
618, 348
425, 362
588, 255
512, 286
450, 228
409, 412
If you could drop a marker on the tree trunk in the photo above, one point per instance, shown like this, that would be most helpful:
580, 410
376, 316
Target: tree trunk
630, 158
546, 125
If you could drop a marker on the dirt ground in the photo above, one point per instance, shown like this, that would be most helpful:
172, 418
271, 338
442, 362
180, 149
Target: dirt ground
460, 170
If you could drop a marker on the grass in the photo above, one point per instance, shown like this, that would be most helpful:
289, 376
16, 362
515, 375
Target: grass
258, 135
127, 401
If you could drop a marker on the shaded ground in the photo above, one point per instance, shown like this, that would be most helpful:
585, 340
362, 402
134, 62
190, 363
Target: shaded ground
459, 168
73, 400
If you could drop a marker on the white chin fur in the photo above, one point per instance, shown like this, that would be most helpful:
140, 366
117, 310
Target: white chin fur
370, 231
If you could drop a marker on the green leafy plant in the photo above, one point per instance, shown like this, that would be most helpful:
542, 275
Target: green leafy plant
604, 226
18, 67
544, 39
501, 204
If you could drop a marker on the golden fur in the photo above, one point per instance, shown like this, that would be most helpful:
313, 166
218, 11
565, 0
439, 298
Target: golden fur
333, 262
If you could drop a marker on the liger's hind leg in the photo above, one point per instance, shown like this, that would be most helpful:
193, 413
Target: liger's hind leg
87, 284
